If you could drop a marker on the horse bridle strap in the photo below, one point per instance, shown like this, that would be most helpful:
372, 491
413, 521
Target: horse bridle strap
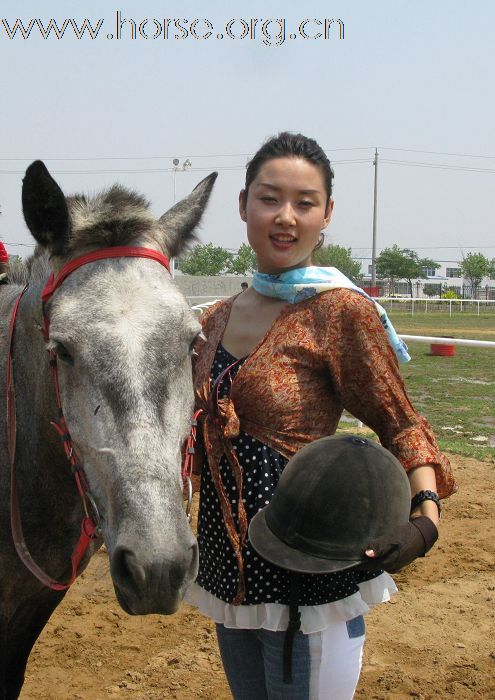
87, 527
54, 281
90, 529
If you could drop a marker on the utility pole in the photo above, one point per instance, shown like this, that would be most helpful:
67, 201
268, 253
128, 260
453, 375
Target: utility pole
375, 196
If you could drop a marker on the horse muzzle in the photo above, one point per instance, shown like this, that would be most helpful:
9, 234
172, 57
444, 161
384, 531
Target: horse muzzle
156, 584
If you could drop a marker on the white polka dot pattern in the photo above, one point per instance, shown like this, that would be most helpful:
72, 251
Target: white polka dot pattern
265, 582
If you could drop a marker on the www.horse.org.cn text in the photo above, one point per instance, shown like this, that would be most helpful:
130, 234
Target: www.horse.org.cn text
269, 31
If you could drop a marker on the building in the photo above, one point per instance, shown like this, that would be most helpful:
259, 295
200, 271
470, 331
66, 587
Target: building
447, 277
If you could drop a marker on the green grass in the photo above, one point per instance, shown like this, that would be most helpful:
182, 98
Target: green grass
456, 394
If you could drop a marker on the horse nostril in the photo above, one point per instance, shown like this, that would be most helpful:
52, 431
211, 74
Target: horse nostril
127, 572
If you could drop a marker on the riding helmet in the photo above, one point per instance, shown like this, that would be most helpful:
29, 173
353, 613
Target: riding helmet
334, 496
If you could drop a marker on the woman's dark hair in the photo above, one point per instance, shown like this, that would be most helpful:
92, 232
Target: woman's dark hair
287, 145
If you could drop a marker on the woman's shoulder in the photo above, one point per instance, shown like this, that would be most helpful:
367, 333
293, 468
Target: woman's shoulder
343, 302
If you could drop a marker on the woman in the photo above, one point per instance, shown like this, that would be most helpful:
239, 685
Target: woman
279, 364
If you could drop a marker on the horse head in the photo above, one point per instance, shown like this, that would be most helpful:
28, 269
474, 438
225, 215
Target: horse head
123, 336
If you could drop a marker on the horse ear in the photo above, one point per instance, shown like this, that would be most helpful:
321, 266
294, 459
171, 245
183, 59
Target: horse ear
180, 221
45, 208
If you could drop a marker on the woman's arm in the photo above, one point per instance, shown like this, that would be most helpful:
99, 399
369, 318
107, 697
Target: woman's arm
368, 382
423, 479
367, 378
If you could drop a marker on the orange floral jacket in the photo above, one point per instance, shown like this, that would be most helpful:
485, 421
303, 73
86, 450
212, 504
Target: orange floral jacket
320, 356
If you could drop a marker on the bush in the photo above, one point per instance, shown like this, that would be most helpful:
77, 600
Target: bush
451, 294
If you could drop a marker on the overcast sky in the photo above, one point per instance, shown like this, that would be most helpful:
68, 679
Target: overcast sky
414, 79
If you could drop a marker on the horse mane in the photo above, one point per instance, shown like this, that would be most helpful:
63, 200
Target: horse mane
36, 268
114, 217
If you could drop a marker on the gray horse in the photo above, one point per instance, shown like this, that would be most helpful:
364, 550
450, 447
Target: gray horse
123, 334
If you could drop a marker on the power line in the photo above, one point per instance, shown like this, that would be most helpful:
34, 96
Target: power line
210, 155
438, 166
20, 245
329, 149
99, 158
437, 153
120, 171
353, 161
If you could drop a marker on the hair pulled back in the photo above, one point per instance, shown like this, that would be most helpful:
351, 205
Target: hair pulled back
288, 145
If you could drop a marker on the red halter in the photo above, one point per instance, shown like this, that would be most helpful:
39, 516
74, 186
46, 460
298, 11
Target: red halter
90, 529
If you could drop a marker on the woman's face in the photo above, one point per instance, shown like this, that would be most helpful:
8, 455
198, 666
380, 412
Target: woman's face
285, 211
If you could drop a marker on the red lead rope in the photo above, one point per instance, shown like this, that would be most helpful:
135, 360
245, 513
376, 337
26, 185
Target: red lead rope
89, 528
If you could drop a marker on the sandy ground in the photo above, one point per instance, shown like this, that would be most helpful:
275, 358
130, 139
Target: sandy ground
436, 639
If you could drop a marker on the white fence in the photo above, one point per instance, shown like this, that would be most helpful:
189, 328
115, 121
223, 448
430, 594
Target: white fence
405, 304
424, 305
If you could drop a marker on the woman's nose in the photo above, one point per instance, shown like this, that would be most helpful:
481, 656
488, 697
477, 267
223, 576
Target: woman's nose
285, 215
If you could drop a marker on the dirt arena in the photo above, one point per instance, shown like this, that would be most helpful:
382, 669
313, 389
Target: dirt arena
435, 640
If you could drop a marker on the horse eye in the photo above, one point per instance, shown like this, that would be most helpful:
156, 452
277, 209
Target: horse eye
63, 354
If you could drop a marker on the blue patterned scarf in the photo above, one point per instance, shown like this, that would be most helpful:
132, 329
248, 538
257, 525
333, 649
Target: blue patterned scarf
306, 282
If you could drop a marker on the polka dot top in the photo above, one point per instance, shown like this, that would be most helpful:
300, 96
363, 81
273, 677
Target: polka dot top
265, 582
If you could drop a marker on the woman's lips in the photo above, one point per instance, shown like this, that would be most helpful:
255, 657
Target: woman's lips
282, 242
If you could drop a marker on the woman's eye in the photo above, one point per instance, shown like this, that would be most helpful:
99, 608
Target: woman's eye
306, 203
268, 199
63, 354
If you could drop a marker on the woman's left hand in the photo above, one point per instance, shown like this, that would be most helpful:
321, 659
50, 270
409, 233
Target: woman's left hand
392, 553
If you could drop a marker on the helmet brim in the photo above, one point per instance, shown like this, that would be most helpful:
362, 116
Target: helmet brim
276, 551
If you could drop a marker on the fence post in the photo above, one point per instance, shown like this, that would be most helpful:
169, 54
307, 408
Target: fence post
450, 308
412, 308
478, 307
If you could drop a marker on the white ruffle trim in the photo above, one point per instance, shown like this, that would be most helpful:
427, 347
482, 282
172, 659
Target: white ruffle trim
275, 617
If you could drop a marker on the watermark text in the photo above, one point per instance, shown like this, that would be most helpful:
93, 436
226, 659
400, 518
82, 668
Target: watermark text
269, 31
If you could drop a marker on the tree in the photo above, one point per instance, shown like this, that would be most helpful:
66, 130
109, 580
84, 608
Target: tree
474, 267
244, 262
403, 264
208, 260
339, 257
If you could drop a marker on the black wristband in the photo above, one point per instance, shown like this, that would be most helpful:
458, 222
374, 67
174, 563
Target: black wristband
423, 496
428, 530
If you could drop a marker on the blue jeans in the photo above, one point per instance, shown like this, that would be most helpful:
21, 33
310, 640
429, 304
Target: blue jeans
324, 665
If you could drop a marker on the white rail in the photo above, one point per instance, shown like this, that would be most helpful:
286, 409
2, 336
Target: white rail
447, 341
199, 308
